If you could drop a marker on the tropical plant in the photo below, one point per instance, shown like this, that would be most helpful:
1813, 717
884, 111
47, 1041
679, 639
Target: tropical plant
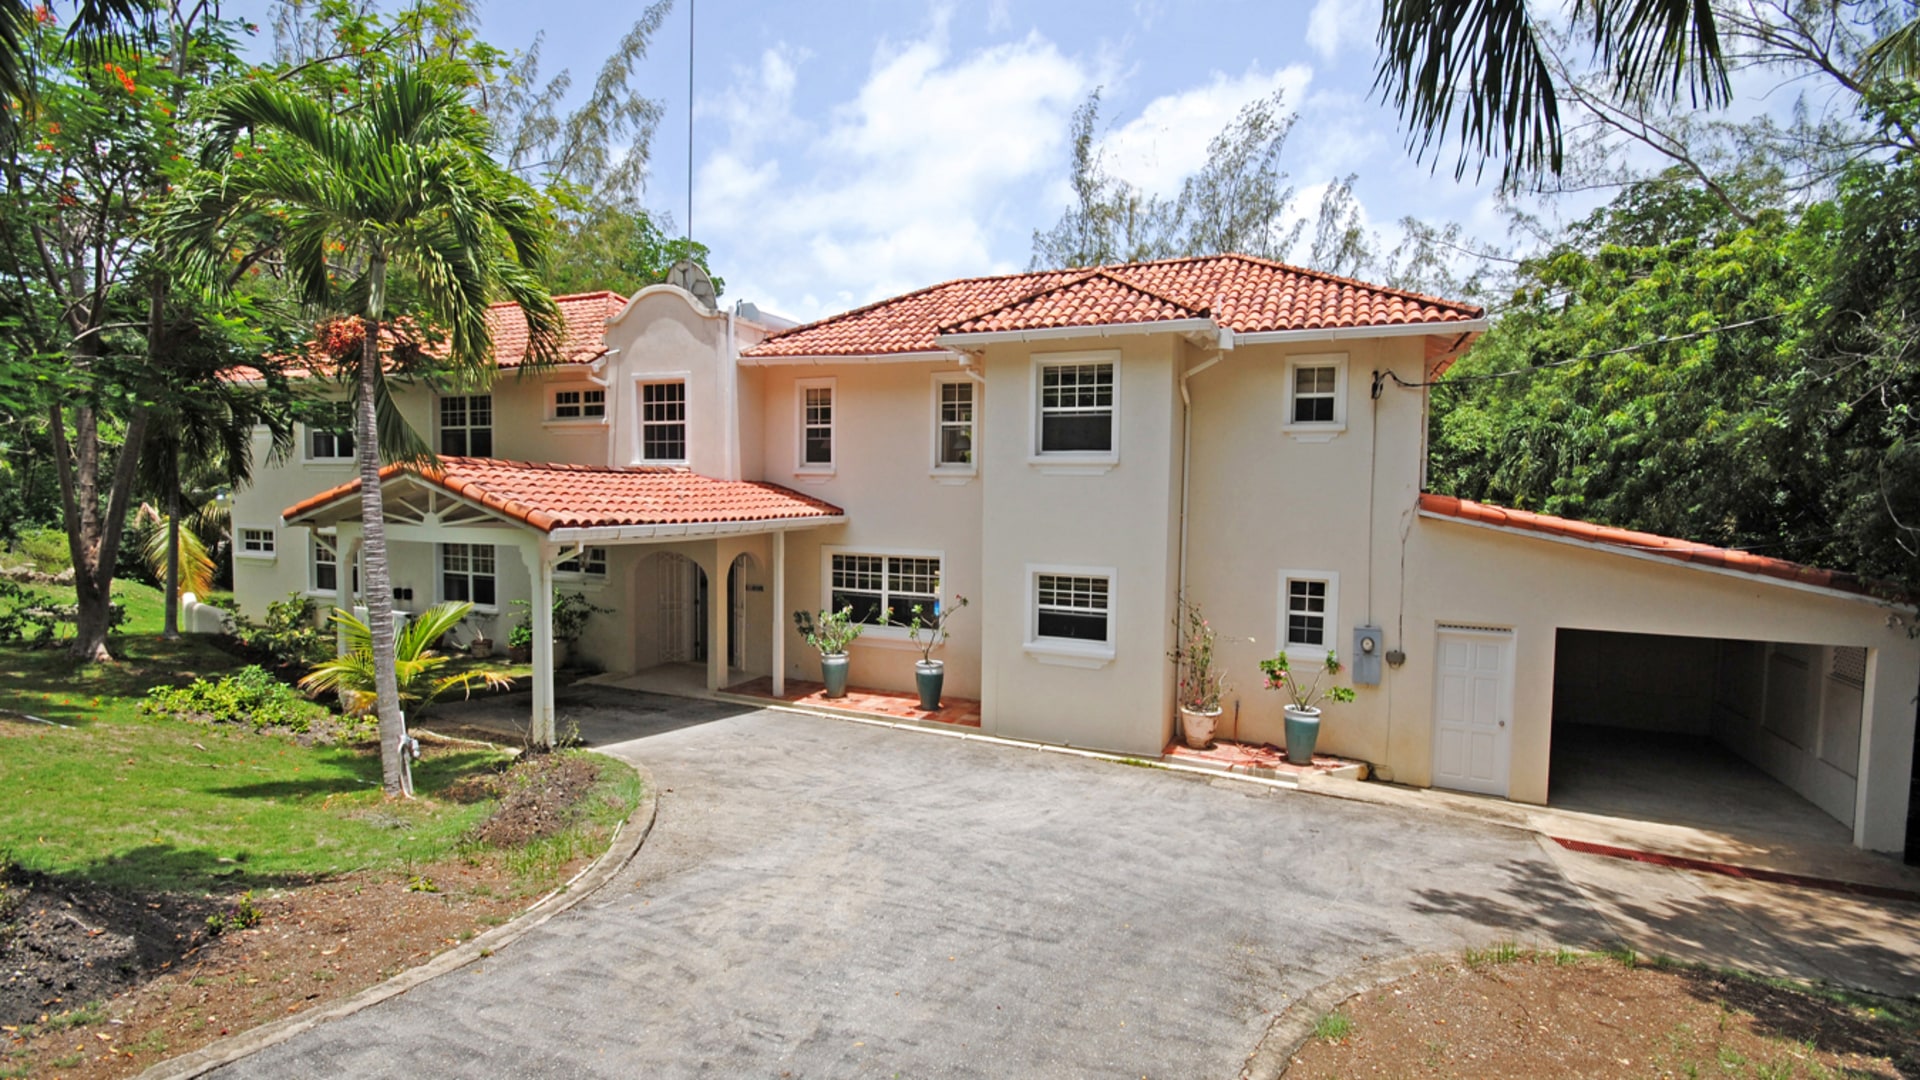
1282, 677
420, 673
570, 614
289, 634
1201, 684
831, 631
929, 632
392, 188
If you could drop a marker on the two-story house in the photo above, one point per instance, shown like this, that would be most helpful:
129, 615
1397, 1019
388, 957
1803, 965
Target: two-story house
1074, 451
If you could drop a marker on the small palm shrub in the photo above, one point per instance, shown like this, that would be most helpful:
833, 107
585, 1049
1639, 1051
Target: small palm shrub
420, 670
289, 635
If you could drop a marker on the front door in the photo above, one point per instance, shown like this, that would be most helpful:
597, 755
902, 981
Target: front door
1472, 709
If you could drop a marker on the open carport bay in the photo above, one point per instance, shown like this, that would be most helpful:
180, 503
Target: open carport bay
1760, 739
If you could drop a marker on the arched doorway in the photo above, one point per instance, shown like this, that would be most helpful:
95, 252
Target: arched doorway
743, 577
674, 588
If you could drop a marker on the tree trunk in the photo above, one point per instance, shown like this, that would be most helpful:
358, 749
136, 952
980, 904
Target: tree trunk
377, 589
170, 627
93, 532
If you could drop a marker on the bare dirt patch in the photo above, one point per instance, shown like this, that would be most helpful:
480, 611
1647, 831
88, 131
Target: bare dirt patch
540, 794
1511, 1014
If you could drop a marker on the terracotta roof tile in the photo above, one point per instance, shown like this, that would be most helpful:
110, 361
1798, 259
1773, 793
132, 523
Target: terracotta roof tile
551, 496
582, 341
1686, 551
1240, 292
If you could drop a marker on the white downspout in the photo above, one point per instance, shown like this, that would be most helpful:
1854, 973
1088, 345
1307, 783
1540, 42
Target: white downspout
1186, 451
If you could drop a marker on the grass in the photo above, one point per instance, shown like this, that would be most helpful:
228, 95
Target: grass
142, 802
1333, 1027
1505, 952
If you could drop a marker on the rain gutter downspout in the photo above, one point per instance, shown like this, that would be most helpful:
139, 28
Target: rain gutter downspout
1223, 343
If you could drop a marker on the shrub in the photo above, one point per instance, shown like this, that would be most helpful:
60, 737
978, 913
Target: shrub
290, 634
239, 915
250, 697
27, 618
46, 549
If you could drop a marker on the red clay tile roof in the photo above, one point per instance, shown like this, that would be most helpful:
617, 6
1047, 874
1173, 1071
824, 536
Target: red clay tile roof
1685, 551
551, 496
582, 341
1240, 292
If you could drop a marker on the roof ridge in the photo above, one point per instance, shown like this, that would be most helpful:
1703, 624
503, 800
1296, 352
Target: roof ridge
1074, 283
887, 301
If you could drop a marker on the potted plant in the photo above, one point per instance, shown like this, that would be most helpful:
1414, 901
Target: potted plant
830, 633
520, 642
1200, 686
1303, 708
930, 675
479, 645
570, 614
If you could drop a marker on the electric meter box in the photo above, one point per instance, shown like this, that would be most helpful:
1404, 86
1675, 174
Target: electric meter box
1369, 644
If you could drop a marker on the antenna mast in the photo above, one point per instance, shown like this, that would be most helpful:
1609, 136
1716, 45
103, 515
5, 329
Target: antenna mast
690, 4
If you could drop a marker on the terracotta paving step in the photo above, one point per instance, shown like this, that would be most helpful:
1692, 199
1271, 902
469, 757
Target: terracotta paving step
1259, 760
884, 704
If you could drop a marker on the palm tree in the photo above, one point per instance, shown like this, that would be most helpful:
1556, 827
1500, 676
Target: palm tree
1477, 70
421, 672
395, 187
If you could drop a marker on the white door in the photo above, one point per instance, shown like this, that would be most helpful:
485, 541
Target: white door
1472, 709
676, 607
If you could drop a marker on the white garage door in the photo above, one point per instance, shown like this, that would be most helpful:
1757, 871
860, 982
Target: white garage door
1472, 709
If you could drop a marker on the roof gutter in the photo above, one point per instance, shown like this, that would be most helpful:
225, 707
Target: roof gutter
1341, 333
924, 356
1101, 330
640, 534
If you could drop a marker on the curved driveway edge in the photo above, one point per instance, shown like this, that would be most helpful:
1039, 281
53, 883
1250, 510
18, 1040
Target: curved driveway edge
626, 844
1294, 1026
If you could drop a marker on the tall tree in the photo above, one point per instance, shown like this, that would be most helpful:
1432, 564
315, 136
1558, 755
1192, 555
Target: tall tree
394, 187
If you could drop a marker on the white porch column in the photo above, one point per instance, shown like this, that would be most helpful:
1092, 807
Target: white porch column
1886, 745
346, 554
779, 613
719, 616
539, 557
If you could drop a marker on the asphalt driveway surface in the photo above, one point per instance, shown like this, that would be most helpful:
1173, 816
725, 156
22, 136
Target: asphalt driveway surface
826, 898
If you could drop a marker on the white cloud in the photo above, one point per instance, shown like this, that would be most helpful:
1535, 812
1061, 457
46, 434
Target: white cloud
1337, 24
999, 16
905, 184
1168, 141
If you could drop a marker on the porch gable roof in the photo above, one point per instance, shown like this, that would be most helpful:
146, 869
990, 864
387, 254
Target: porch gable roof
555, 496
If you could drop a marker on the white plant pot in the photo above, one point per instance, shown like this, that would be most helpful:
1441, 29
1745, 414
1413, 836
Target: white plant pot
1198, 726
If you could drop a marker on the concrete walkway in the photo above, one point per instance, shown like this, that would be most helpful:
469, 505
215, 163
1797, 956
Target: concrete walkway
825, 898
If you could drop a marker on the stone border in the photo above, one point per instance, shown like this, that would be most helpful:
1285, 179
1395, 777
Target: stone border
626, 843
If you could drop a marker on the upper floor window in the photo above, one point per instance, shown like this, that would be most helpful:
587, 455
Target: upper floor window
816, 423
591, 562
1076, 407
579, 404
323, 445
466, 573
884, 588
466, 425
1316, 395
663, 422
256, 543
954, 428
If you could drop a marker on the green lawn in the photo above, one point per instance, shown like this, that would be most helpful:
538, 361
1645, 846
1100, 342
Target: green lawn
146, 605
132, 800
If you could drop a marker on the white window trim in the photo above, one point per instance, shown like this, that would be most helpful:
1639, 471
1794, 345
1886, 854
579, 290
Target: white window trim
954, 474
576, 425
1071, 463
306, 451
638, 449
332, 537
583, 578
1310, 654
800, 465
492, 425
440, 574
880, 635
1319, 431
1059, 651
239, 542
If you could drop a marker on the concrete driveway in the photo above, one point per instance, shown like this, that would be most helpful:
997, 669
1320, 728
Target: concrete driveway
825, 898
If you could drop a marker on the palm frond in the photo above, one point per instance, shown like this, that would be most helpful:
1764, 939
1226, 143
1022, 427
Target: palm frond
1895, 56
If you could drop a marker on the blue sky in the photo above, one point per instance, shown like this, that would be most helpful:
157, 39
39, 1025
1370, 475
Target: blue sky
851, 151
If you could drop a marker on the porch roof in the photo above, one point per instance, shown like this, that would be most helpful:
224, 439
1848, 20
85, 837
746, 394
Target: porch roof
592, 502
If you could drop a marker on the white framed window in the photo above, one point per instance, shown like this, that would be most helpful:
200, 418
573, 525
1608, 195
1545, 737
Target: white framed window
586, 403
1309, 613
883, 587
255, 543
1070, 615
323, 445
467, 573
1316, 396
956, 424
324, 566
466, 425
663, 422
591, 563
1076, 414
814, 405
